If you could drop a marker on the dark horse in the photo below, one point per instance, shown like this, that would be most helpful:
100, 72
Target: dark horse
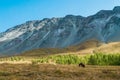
81, 65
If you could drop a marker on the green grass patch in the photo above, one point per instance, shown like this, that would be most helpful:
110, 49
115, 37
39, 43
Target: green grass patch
14, 58
93, 59
96, 59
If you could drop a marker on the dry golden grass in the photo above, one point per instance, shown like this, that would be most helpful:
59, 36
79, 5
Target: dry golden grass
113, 47
58, 72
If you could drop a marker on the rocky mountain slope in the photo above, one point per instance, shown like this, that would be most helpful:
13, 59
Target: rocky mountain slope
62, 32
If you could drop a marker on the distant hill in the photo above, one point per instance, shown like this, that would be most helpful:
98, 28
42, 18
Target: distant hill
88, 47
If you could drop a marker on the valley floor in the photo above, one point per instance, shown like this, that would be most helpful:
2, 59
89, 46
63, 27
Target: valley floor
57, 72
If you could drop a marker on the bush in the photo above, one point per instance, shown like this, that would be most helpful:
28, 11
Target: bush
104, 59
96, 59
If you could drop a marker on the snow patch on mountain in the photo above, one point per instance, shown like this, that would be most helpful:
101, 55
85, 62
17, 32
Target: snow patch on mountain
11, 35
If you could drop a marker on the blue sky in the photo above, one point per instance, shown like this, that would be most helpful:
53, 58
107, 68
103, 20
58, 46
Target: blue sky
14, 12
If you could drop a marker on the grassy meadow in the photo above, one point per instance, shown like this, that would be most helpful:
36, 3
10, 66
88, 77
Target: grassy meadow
58, 72
99, 66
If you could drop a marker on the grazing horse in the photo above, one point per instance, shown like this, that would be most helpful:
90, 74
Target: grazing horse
81, 65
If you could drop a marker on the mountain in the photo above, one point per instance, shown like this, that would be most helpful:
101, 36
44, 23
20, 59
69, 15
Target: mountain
86, 47
62, 32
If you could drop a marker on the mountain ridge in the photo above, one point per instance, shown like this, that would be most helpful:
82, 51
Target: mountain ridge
61, 32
